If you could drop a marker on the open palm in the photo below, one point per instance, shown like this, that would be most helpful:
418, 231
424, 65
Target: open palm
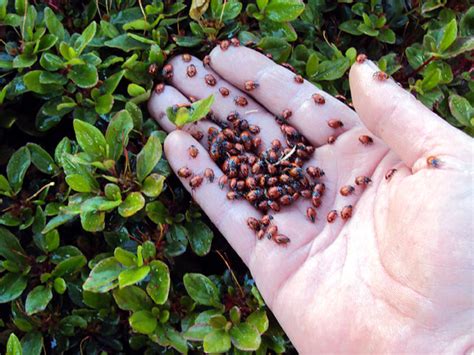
397, 276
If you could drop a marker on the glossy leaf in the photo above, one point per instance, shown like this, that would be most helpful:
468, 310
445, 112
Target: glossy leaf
91, 140
284, 10
12, 286
117, 133
104, 276
133, 203
143, 322
133, 276
217, 341
201, 289
17, 166
148, 157
159, 285
14, 345
38, 299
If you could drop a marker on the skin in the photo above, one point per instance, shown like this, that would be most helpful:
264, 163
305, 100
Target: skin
396, 277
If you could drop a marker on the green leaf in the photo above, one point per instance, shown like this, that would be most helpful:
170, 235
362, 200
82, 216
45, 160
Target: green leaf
259, 320
351, 26
104, 276
93, 221
11, 249
148, 157
69, 266
132, 298
133, 276
99, 203
218, 321
157, 212
54, 26
387, 35
125, 43
91, 140
153, 185
245, 337
133, 203
14, 345
60, 285
176, 240
84, 75
80, 183
446, 35
51, 62
5, 186
201, 289
431, 80
369, 31
284, 10
277, 47
331, 69
117, 133
125, 257
198, 332
84, 39
24, 60
16, 168
96, 300
200, 237
461, 45
103, 104
217, 341
32, 343
38, 299
462, 110
48, 241
41, 159
12, 286
143, 322
159, 285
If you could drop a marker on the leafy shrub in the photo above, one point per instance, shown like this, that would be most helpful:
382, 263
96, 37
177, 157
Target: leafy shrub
101, 249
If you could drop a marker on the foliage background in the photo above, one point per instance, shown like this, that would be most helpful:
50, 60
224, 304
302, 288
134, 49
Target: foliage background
101, 249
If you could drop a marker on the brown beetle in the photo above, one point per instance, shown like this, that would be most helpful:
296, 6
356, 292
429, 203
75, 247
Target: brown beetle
266, 219
346, 190
206, 60
281, 239
224, 44
380, 76
250, 85
241, 101
224, 91
191, 70
433, 161
320, 188
197, 135
299, 79
223, 181
362, 180
331, 217
286, 114
260, 234
209, 174
253, 224
331, 139
152, 69
288, 66
366, 140
232, 195
333, 123
389, 174
195, 181
314, 172
186, 57
254, 129
311, 214
168, 71
274, 206
210, 80
271, 231
159, 88
346, 212
193, 151
361, 58
184, 172
235, 42
318, 99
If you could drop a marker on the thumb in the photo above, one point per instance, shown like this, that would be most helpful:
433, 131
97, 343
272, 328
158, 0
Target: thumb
405, 124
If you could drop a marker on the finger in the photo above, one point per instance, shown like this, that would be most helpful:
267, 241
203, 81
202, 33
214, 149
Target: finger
197, 86
278, 91
230, 217
168, 96
405, 124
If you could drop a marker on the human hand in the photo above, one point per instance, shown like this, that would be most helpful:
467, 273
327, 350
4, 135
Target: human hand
397, 276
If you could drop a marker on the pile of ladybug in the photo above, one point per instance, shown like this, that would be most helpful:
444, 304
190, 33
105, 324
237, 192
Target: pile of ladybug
269, 179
